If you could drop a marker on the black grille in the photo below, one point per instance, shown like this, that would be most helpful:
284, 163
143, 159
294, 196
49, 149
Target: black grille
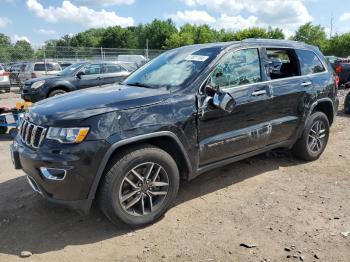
32, 135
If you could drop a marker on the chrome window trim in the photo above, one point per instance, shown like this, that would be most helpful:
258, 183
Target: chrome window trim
266, 81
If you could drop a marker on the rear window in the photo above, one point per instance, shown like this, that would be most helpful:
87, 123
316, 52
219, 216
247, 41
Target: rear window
39, 67
49, 67
309, 62
112, 68
1, 68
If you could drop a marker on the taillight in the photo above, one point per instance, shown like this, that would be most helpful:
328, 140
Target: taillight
33, 75
338, 69
5, 74
337, 82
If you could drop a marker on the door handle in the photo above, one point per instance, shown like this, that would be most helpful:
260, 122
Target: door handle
259, 93
306, 83
98, 78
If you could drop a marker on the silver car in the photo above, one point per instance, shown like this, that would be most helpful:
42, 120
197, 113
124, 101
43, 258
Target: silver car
38, 69
4, 80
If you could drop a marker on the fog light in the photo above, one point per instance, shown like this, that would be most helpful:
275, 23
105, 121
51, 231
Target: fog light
53, 173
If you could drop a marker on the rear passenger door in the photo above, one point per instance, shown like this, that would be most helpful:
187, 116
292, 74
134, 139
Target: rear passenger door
290, 90
113, 73
312, 67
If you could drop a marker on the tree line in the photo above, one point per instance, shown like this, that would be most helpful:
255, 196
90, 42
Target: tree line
163, 34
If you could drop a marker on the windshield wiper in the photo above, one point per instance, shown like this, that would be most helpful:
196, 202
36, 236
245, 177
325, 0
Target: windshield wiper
139, 84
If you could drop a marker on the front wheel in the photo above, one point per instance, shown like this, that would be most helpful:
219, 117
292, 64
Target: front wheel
139, 186
57, 92
314, 138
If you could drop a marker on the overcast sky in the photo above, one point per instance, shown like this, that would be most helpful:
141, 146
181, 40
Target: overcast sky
40, 20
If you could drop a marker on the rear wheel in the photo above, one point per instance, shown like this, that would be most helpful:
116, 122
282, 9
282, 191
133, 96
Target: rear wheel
57, 92
139, 186
347, 104
314, 139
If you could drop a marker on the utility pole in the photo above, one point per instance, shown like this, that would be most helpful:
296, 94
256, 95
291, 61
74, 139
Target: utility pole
332, 26
147, 49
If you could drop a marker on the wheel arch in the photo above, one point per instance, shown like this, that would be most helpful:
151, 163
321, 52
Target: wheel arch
325, 106
59, 87
165, 140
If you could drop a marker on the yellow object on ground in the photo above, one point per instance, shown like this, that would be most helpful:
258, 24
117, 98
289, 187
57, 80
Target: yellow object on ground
23, 105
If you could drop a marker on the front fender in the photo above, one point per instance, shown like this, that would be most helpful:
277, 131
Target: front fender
132, 140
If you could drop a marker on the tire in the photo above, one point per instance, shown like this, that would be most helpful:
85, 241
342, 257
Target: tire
8, 90
305, 148
114, 186
3, 130
57, 92
347, 104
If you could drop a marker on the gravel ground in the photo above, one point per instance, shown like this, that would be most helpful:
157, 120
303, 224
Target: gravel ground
284, 209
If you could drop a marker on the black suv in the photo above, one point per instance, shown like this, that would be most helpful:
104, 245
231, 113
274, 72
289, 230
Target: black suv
74, 77
190, 110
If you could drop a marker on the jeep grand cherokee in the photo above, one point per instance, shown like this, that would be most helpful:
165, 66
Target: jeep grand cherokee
190, 110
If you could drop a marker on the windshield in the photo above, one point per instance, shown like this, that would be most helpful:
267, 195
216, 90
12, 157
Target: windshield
70, 69
173, 69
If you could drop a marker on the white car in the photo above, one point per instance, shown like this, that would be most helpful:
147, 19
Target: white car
4, 80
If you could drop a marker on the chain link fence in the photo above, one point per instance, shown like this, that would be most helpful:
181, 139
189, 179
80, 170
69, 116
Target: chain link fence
10, 54
15, 59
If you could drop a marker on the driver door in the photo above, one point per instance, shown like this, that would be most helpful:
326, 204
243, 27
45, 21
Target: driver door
224, 135
91, 76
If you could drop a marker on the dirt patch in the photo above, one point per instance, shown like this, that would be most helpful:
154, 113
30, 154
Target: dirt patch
270, 207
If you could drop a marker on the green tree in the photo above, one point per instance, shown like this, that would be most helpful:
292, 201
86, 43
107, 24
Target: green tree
275, 33
311, 34
6, 49
22, 51
254, 32
157, 33
339, 45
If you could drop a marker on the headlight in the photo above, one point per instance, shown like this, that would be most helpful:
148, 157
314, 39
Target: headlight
68, 135
38, 84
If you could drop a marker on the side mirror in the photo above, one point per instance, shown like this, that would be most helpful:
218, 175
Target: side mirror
224, 101
81, 73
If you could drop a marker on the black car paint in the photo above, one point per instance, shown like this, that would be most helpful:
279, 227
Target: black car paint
67, 83
202, 138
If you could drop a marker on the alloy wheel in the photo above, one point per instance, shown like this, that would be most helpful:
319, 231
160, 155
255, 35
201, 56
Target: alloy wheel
144, 189
317, 137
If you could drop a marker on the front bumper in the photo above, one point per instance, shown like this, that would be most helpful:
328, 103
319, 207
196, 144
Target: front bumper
80, 161
32, 95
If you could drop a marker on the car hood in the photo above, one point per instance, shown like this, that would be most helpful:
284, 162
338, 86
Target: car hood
72, 107
46, 78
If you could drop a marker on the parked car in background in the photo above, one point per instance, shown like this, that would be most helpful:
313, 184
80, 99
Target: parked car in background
188, 111
64, 64
4, 80
332, 59
342, 69
74, 77
38, 69
14, 73
139, 60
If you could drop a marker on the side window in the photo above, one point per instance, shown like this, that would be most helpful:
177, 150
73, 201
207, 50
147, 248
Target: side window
112, 68
92, 69
39, 67
309, 62
283, 63
237, 68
